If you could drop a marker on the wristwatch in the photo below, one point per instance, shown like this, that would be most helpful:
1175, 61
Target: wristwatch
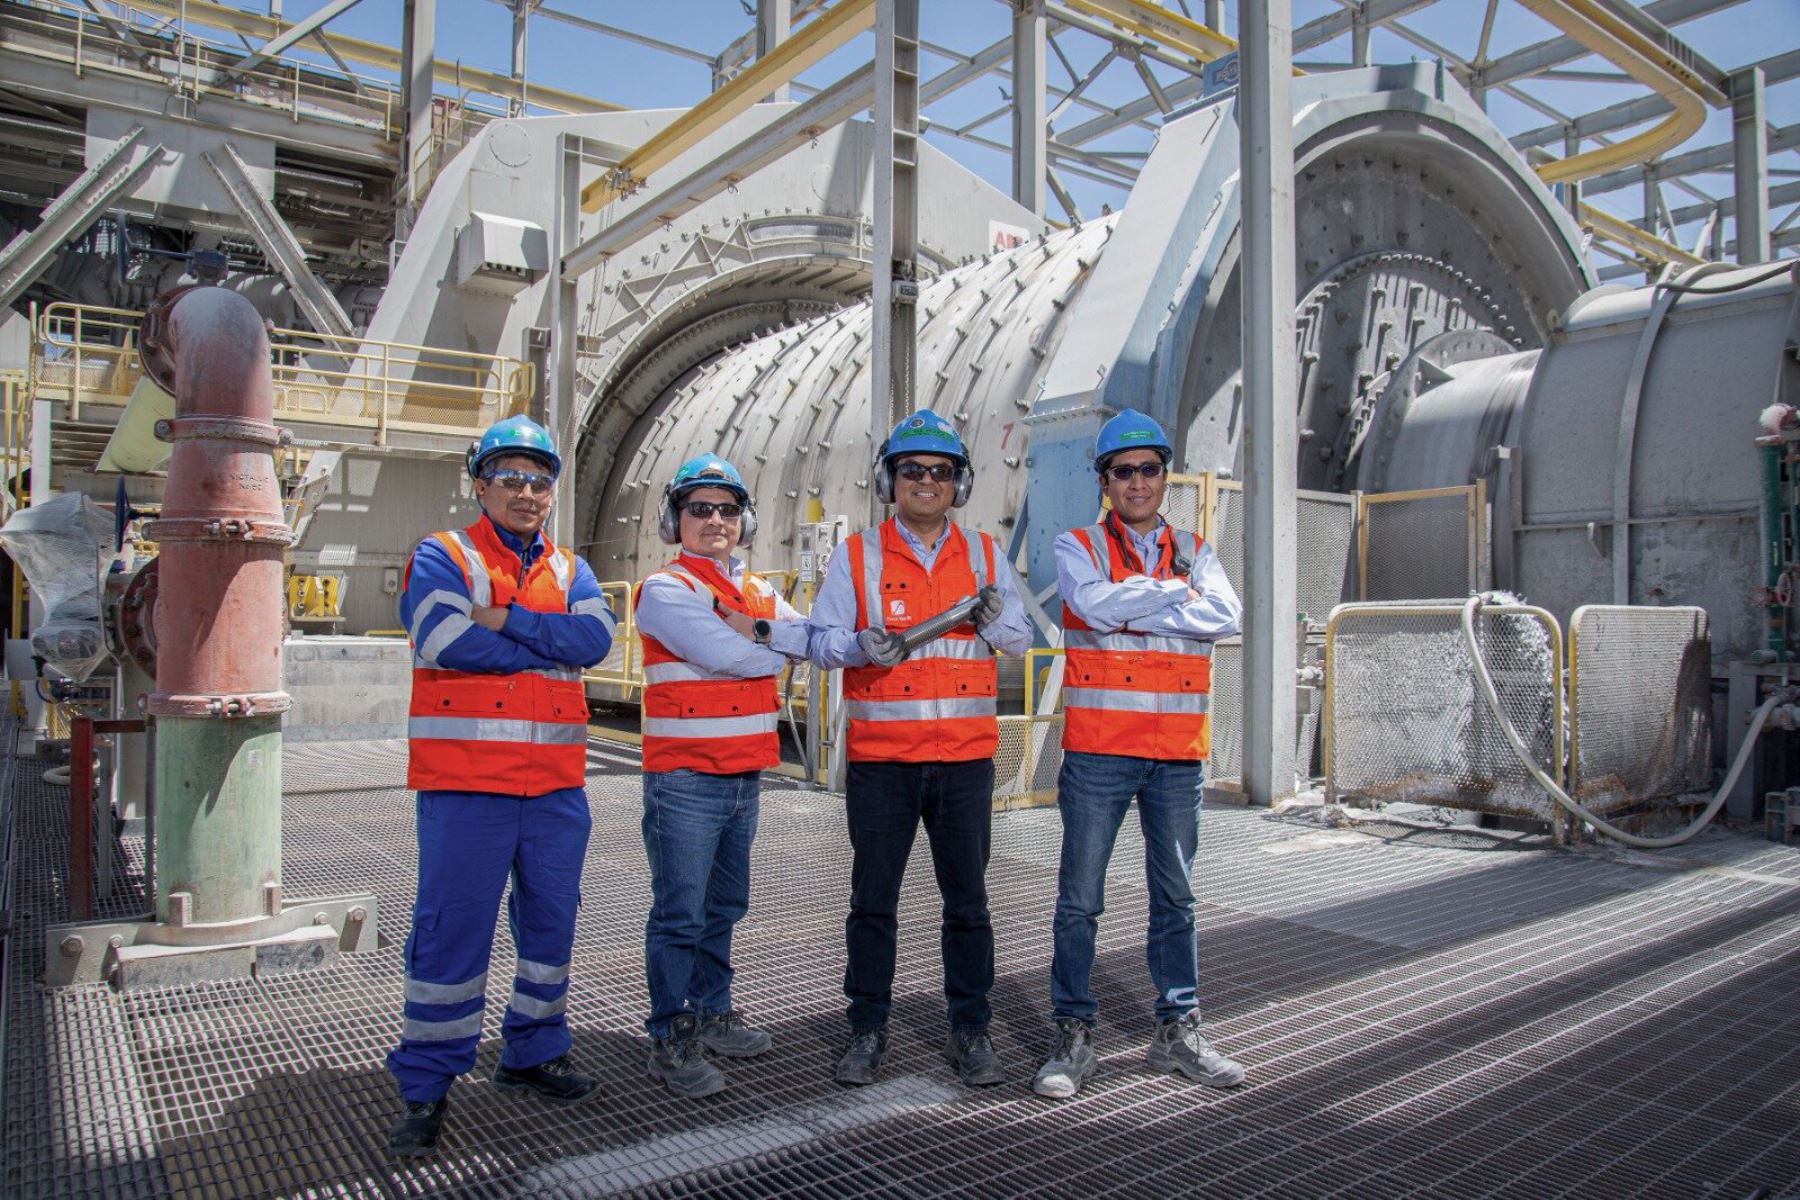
762, 630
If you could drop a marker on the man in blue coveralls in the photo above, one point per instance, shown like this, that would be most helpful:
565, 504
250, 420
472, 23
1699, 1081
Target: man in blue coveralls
501, 623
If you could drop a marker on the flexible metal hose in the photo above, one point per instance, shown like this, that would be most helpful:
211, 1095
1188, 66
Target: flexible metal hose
1486, 683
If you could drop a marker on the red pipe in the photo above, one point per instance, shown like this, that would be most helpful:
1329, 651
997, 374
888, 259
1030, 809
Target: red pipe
221, 612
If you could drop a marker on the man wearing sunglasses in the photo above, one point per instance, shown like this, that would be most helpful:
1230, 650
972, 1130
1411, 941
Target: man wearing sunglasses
1143, 603
501, 623
713, 638
922, 733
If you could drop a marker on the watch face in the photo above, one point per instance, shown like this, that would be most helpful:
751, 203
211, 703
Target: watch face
763, 630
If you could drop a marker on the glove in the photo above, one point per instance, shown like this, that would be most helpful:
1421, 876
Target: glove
884, 647
987, 607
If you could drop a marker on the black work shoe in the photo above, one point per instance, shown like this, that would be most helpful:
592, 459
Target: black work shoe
679, 1061
868, 1047
1180, 1048
1071, 1061
556, 1081
415, 1134
726, 1033
971, 1053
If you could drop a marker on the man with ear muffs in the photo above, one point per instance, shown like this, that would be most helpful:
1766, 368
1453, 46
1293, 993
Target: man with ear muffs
713, 636
922, 731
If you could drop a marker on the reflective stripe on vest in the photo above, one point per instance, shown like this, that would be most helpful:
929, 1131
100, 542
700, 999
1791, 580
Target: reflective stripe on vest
937, 705
519, 734
1142, 695
708, 721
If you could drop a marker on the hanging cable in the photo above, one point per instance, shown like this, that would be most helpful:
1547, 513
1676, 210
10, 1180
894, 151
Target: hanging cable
1696, 290
1485, 681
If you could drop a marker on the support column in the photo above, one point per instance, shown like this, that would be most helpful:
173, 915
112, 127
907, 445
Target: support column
1215, 15
559, 378
895, 164
1571, 189
773, 21
1266, 141
521, 11
1750, 165
1359, 37
417, 48
1030, 119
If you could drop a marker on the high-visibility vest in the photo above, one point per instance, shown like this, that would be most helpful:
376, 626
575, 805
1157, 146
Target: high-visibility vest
703, 720
522, 734
938, 704
1137, 694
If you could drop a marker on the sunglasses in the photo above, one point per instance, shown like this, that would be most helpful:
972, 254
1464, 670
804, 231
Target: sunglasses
700, 510
1124, 471
912, 472
518, 481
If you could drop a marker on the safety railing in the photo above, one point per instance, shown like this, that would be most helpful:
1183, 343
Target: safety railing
87, 354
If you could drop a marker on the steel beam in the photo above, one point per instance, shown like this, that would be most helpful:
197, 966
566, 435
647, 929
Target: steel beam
1030, 122
824, 34
1532, 60
774, 20
416, 53
1787, 193
894, 333
289, 36
831, 107
74, 209
1708, 158
279, 243
521, 14
1750, 165
1266, 269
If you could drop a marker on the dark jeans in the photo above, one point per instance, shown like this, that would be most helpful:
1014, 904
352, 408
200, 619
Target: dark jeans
1093, 791
884, 803
697, 834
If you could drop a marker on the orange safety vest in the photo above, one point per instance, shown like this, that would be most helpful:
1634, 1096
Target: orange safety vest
522, 734
1137, 694
938, 704
703, 720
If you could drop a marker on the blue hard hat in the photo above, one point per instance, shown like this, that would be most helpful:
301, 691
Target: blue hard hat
515, 435
707, 470
925, 433
1130, 430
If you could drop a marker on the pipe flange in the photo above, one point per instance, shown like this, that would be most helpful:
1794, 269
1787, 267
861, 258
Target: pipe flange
224, 707
136, 618
154, 351
225, 429
220, 529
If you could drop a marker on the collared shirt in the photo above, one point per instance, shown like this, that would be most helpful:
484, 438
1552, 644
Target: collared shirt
529, 641
682, 619
1141, 604
832, 622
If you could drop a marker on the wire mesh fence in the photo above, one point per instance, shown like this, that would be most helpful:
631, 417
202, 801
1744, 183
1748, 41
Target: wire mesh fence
1422, 544
1640, 684
1324, 544
1404, 720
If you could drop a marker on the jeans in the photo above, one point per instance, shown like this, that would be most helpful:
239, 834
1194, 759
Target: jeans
697, 834
884, 803
469, 844
1093, 792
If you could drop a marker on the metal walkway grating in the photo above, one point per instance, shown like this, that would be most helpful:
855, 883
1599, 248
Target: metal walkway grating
1445, 1014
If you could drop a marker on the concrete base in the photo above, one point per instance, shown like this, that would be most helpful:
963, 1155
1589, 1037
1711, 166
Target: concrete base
346, 688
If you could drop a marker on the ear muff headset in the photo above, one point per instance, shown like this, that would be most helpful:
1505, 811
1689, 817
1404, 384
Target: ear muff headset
964, 482
668, 521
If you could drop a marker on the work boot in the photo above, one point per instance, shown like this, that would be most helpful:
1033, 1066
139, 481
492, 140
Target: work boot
971, 1053
679, 1060
863, 1059
1179, 1047
726, 1033
415, 1134
556, 1081
1071, 1060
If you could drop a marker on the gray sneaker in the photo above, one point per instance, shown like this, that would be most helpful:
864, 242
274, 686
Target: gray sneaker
860, 1062
680, 1061
971, 1053
1179, 1047
726, 1033
1071, 1062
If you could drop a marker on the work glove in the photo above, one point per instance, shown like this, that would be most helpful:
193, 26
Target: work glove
884, 647
987, 606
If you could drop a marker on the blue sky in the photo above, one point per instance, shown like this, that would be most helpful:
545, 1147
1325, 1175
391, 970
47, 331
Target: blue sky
478, 32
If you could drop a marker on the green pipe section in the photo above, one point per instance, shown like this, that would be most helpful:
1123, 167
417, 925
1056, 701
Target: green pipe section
218, 814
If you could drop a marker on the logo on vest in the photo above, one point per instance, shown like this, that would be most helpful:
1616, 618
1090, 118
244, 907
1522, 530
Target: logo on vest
896, 607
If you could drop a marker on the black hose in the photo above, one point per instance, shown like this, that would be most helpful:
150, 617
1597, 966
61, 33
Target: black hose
1740, 285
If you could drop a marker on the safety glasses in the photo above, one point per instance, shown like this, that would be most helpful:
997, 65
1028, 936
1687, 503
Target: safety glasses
912, 472
700, 510
1124, 471
519, 481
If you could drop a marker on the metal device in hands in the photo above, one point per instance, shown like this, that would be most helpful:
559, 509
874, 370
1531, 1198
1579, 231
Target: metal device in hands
935, 627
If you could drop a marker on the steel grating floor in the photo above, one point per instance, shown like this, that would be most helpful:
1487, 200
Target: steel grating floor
1442, 1014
